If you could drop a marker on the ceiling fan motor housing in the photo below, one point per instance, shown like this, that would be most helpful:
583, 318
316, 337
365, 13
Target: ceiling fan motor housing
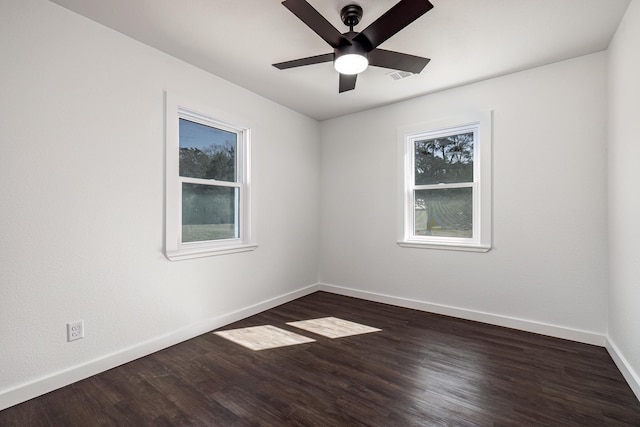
351, 15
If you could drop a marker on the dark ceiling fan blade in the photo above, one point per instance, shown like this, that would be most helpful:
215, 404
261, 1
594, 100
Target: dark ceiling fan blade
392, 21
318, 23
327, 57
347, 82
397, 60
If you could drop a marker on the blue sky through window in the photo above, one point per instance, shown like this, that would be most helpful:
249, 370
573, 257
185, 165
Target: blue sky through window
196, 135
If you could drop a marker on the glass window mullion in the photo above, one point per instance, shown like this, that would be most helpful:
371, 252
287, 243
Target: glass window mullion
437, 186
188, 180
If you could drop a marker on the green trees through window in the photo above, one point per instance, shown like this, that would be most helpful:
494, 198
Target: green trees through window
444, 160
209, 208
441, 209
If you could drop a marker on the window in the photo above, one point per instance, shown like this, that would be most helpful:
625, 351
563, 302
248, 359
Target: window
207, 185
446, 177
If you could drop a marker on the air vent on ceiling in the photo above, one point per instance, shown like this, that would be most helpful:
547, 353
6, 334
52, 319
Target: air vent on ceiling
399, 75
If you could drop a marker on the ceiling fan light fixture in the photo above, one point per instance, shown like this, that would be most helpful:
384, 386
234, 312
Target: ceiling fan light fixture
351, 63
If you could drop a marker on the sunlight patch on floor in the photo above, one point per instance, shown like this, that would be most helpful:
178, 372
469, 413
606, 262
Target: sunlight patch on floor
332, 327
263, 337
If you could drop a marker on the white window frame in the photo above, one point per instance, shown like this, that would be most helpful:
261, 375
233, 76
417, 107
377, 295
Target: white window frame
175, 249
480, 125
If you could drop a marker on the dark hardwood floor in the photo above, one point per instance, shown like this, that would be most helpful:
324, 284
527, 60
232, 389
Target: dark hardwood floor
421, 370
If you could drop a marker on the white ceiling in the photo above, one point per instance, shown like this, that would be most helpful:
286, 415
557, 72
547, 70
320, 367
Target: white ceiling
467, 41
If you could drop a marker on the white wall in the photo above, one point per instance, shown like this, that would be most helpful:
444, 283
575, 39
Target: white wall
624, 194
549, 261
81, 224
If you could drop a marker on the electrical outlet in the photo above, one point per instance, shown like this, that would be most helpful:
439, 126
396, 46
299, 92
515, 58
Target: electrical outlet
75, 330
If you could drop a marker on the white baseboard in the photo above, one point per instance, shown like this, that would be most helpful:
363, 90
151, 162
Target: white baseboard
60, 379
56, 380
625, 368
478, 316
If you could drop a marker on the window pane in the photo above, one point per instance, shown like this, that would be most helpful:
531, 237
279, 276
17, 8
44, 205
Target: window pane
209, 213
207, 152
446, 212
444, 160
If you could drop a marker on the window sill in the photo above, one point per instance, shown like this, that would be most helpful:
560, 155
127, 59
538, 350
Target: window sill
182, 254
444, 246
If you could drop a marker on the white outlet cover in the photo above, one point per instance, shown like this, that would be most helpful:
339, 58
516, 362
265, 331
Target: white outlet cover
75, 330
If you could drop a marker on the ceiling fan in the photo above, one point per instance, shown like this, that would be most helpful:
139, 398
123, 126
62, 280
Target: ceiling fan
352, 51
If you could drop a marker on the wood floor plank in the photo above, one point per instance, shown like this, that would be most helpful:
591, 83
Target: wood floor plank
421, 369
